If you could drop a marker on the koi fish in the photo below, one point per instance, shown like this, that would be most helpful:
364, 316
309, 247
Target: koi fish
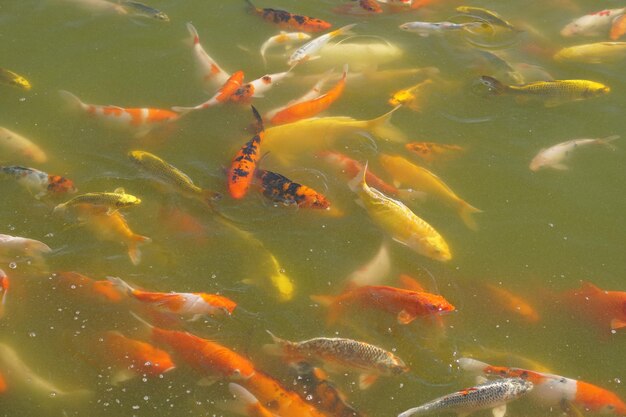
425, 29
593, 24
313, 383
245, 403
360, 54
314, 92
371, 361
399, 222
38, 182
513, 303
111, 227
139, 9
116, 200
10, 78
552, 93
370, 5
376, 269
430, 151
492, 394
421, 179
310, 108
551, 389
618, 28
140, 120
411, 97
593, 53
15, 145
279, 188
283, 38
171, 176
232, 84
134, 357
555, 156
407, 305
608, 308
286, 20
88, 287
243, 166
489, 16
306, 52
4, 289
182, 224
258, 87
16, 246
3, 384
102, 6
209, 71
196, 304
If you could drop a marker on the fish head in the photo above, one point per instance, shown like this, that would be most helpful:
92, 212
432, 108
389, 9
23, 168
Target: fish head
128, 200
435, 303
162, 17
572, 28
599, 400
401, 97
538, 163
60, 185
436, 248
21, 82
598, 89
395, 365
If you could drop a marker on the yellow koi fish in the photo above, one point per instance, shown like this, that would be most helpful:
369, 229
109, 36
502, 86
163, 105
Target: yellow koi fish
421, 179
398, 221
411, 97
112, 201
593, 53
16, 80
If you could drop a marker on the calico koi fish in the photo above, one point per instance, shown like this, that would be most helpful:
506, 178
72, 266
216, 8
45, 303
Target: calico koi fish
306, 52
551, 389
512, 302
431, 151
287, 20
209, 71
314, 92
197, 304
492, 394
15, 145
280, 188
371, 361
243, 166
407, 305
38, 182
283, 38
310, 108
134, 357
245, 403
116, 200
258, 87
10, 78
232, 84
399, 222
421, 179
593, 24
607, 308
88, 287
4, 289
555, 156
112, 227
172, 177
593, 53
140, 120
552, 93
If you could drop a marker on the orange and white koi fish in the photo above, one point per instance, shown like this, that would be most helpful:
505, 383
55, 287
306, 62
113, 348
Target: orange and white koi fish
140, 120
131, 358
283, 38
210, 73
197, 304
556, 155
593, 24
375, 270
421, 179
17, 146
551, 389
280, 188
314, 92
287, 20
311, 108
512, 302
371, 361
245, 403
232, 84
243, 166
4, 289
111, 226
607, 308
307, 51
258, 87
102, 6
38, 182
405, 304
88, 287
431, 151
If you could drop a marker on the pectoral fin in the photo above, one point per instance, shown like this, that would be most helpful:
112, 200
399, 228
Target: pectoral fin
617, 324
499, 411
206, 382
404, 317
122, 376
366, 380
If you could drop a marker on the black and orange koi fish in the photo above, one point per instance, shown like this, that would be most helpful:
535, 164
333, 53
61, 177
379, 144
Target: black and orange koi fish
287, 20
280, 188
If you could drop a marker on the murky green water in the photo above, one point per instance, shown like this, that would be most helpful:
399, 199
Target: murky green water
541, 232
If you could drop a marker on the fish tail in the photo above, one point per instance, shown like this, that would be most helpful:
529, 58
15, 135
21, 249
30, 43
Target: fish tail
72, 100
472, 365
382, 127
334, 308
358, 182
142, 321
466, 211
244, 400
276, 348
496, 86
59, 208
258, 119
133, 248
195, 38
607, 141
121, 285
345, 30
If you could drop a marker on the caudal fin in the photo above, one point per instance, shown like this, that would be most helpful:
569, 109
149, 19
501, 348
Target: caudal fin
244, 400
472, 365
334, 308
358, 182
133, 248
72, 100
381, 127
607, 141
466, 211
494, 85
276, 348
195, 38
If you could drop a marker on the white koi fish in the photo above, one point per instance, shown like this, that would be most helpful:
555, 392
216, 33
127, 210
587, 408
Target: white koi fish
555, 156
284, 38
15, 145
258, 87
594, 24
426, 29
12, 246
307, 51
207, 68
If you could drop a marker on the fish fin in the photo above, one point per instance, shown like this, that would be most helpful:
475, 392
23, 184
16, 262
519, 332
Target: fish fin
618, 27
499, 411
258, 120
615, 323
481, 379
589, 287
196, 317
472, 365
494, 85
405, 317
209, 196
120, 190
366, 380
552, 103
120, 284
358, 181
382, 127
334, 308
410, 283
183, 110
466, 211
133, 251
122, 376
275, 349
72, 100
243, 401
607, 141
206, 381
142, 321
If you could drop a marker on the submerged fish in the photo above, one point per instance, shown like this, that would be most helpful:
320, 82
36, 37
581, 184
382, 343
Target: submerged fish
487, 15
287, 20
283, 38
512, 302
492, 394
308, 50
245, 403
371, 361
411, 97
15, 145
280, 188
140, 9
593, 53
431, 151
593, 24
426, 29
605, 308
16, 80
38, 182
88, 288
17, 246
555, 156
112, 201
243, 166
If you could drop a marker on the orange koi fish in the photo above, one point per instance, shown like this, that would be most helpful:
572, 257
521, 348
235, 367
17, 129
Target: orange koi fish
88, 287
38, 182
431, 151
112, 227
279, 188
243, 166
3, 384
607, 308
225, 92
351, 168
245, 403
551, 389
4, 289
409, 283
370, 6
407, 305
618, 28
306, 109
513, 303
309, 95
207, 68
286, 20
258, 87
197, 304
142, 120
184, 225
134, 357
